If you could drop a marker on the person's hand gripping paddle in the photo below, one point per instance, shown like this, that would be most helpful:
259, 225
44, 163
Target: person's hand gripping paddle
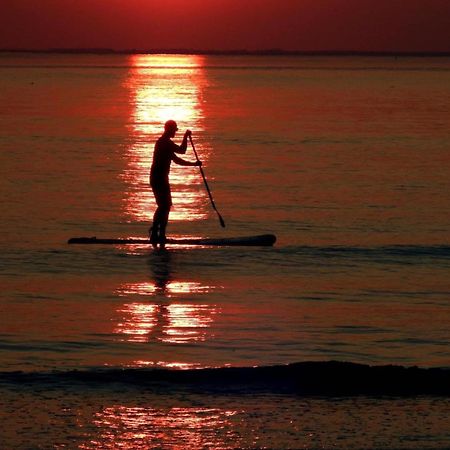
222, 223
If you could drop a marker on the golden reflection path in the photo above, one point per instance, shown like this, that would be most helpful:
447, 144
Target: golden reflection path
163, 87
164, 309
176, 428
174, 323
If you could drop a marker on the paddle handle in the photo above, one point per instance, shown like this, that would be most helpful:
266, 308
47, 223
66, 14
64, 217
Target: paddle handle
222, 222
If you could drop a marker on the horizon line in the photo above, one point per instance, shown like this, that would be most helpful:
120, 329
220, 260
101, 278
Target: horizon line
237, 52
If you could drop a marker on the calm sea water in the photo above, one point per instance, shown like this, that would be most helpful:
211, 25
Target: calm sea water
329, 152
346, 160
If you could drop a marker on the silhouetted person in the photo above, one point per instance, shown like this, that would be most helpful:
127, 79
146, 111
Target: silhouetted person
163, 155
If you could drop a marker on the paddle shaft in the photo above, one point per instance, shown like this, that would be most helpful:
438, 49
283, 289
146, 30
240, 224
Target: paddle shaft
222, 222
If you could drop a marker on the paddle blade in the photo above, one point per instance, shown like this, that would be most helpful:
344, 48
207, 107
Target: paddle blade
222, 222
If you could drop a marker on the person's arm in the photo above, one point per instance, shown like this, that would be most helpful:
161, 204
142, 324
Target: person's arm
182, 162
183, 147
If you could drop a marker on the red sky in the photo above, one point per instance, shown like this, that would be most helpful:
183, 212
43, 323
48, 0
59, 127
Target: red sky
363, 25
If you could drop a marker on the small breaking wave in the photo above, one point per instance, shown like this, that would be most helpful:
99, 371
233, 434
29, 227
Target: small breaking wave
327, 378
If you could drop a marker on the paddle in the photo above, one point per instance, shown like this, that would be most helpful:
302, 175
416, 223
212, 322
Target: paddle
206, 185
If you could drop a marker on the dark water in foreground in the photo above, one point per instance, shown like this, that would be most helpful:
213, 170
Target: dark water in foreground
344, 159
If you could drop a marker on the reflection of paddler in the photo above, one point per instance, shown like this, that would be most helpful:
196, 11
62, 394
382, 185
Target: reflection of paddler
162, 270
164, 153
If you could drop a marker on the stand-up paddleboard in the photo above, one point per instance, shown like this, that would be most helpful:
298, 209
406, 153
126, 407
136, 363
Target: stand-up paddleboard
253, 241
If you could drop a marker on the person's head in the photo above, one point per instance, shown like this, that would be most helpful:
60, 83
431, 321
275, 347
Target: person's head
170, 128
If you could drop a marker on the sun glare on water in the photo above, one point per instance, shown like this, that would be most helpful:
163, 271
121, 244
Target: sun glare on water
163, 87
148, 315
127, 427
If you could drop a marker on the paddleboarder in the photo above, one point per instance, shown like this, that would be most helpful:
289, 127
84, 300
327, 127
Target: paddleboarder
164, 153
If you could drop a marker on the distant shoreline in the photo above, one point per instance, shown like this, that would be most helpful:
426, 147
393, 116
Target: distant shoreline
266, 52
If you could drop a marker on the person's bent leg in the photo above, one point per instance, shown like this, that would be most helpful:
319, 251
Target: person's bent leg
163, 220
163, 199
154, 229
